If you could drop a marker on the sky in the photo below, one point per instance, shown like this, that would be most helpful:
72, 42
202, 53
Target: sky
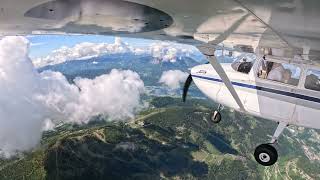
41, 45
55, 49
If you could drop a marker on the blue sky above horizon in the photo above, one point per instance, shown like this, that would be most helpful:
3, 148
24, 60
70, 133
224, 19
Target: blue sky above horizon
55, 49
41, 45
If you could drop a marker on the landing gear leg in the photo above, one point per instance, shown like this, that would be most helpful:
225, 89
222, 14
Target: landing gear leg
266, 154
216, 116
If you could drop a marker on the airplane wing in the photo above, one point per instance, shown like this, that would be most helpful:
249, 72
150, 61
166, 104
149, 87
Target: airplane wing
279, 27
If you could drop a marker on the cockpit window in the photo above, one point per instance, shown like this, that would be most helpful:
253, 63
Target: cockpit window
280, 72
313, 80
243, 64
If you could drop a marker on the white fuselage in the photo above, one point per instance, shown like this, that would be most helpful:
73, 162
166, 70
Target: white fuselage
263, 98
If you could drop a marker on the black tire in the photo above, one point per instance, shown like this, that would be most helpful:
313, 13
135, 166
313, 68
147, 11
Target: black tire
216, 117
266, 154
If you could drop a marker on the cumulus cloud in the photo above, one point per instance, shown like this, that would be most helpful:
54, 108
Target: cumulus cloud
31, 102
37, 44
169, 52
115, 95
20, 128
161, 51
173, 78
81, 51
48, 125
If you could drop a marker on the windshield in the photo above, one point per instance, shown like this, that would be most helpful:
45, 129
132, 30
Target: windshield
243, 63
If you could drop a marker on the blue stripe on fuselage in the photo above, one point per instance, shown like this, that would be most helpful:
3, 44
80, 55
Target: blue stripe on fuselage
275, 91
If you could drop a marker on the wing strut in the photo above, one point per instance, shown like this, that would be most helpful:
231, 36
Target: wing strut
208, 51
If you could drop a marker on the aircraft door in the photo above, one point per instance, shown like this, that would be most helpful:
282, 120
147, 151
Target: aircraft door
272, 94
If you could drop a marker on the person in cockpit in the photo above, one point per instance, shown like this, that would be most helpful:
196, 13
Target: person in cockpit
287, 77
276, 73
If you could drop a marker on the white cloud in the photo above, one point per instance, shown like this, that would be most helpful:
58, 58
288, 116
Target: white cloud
31, 102
115, 95
80, 51
169, 52
161, 51
20, 128
37, 44
48, 125
173, 78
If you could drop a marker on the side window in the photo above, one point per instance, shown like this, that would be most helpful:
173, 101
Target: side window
280, 72
313, 80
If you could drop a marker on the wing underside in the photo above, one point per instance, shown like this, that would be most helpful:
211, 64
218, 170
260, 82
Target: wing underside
281, 27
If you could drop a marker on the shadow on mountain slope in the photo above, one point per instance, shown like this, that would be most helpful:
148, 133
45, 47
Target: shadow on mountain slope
120, 152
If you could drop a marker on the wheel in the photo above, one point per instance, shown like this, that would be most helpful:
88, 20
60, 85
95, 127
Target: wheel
266, 154
216, 117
